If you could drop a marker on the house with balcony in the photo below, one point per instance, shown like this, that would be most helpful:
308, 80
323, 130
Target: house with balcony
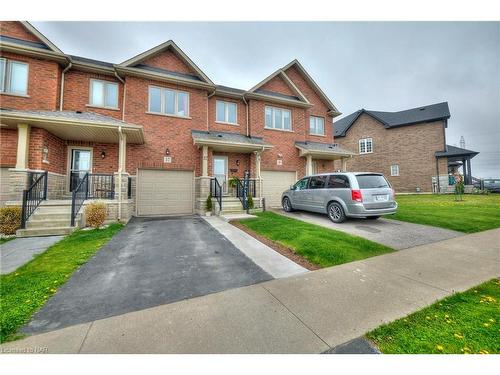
150, 136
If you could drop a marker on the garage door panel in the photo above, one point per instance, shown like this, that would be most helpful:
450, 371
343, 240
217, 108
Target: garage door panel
161, 192
274, 183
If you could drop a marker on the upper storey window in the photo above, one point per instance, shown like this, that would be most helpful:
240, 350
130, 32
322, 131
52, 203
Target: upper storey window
226, 112
168, 102
278, 118
316, 125
103, 94
13, 77
365, 146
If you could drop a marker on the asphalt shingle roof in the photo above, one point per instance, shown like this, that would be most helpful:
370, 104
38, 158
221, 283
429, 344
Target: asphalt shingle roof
323, 147
169, 72
92, 61
230, 89
227, 137
28, 43
433, 112
277, 94
455, 151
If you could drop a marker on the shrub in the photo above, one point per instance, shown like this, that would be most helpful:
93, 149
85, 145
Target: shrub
233, 181
95, 214
10, 219
250, 201
208, 203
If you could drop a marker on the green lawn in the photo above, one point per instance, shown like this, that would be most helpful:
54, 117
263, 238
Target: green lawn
466, 322
322, 246
25, 290
474, 214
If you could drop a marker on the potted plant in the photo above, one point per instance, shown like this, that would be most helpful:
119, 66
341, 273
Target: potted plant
208, 205
233, 182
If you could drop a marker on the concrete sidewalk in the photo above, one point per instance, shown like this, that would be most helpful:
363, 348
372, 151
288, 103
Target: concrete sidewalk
308, 313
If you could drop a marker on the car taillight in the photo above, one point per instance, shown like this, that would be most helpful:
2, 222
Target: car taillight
356, 196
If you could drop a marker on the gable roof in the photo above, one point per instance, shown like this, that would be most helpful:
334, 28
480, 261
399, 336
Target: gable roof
40, 36
334, 111
433, 112
135, 61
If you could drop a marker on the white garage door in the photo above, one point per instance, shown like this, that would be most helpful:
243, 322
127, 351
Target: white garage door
274, 184
164, 192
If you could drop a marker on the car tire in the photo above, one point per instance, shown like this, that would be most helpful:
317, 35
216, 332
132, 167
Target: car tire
372, 217
287, 205
336, 212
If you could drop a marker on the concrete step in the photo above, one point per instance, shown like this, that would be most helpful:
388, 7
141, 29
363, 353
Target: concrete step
44, 223
52, 216
55, 231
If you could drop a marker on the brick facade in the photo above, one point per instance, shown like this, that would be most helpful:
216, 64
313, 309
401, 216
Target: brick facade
411, 147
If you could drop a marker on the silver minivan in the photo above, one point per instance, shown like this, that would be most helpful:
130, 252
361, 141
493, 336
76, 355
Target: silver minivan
342, 195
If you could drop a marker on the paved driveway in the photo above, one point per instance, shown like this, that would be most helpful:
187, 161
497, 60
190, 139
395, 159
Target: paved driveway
149, 263
393, 233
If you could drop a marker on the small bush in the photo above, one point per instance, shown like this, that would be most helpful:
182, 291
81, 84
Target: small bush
10, 219
95, 214
250, 201
208, 203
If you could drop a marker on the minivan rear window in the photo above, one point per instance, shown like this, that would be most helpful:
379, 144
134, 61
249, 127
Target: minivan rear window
371, 181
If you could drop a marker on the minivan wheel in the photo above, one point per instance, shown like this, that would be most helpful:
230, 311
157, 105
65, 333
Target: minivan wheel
336, 212
287, 205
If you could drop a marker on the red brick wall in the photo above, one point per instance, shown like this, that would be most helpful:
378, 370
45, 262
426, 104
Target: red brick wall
412, 147
57, 151
8, 147
109, 164
168, 60
162, 132
241, 116
278, 85
77, 91
15, 29
43, 77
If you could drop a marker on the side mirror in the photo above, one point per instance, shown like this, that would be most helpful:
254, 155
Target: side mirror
292, 187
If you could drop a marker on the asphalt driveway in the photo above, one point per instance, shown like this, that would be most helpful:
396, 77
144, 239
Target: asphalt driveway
150, 262
393, 233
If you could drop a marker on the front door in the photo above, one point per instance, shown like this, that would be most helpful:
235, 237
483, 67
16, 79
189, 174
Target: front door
80, 164
220, 171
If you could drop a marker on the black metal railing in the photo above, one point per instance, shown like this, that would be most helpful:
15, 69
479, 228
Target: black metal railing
101, 185
242, 193
79, 194
251, 188
216, 191
33, 196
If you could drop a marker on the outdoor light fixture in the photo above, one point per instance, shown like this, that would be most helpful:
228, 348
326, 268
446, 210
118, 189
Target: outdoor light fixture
238, 163
280, 156
45, 153
103, 154
167, 152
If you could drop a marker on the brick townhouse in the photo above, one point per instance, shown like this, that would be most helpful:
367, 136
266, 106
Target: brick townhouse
408, 147
152, 135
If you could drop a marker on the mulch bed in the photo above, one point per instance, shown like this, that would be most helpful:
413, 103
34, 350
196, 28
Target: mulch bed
283, 250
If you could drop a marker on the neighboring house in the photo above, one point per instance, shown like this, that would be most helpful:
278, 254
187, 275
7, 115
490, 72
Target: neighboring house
408, 147
154, 131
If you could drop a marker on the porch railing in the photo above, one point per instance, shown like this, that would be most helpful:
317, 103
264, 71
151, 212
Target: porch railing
216, 191
33, 196
251, 188
100, 185
79, 195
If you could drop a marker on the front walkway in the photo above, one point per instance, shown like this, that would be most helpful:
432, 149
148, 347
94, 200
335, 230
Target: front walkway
20, 251
396, 234
308, 313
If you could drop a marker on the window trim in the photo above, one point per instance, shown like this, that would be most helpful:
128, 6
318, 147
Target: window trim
226, 112
282, 118
365, 142
7, 78
104, 94
317, 117
397, 166
162, 102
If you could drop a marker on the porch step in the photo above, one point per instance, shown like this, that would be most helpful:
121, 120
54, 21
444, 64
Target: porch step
37, 223
55, 231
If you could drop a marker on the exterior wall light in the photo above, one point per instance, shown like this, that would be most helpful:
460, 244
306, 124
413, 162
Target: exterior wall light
103, 154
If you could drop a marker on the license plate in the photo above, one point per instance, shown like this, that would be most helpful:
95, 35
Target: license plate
381, 198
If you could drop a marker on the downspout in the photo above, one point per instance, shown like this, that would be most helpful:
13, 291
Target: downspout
208, 121
246, 107
61, 94
123, 97
120, 136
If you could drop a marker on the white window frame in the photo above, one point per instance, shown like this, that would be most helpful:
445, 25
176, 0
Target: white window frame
397, 170
364, 142
315, 118
7, 77
273, 119
104, 83
226, 112
162, 102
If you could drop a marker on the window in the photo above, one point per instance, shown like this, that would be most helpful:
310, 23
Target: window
395, 170
338, 182
372, 181
168, 102
277, 118
226, 112
317, 125
365, 146
103, 94
302, 184
13, 77
317, 182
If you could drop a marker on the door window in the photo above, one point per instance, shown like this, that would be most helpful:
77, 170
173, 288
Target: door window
81, 160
